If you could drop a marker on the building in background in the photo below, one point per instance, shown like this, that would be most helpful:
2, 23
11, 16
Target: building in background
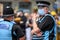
26, 5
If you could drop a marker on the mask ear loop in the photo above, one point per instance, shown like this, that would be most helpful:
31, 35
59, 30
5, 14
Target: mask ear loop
49, 9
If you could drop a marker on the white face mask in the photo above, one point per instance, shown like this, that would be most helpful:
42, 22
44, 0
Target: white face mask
41, 12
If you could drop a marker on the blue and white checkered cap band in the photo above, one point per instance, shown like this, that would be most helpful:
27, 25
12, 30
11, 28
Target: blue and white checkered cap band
40, 4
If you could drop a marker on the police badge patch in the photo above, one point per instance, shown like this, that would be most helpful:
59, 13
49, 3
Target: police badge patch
4, 26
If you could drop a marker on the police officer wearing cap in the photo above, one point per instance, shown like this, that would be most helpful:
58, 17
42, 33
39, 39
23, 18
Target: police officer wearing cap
9, 30
46, 25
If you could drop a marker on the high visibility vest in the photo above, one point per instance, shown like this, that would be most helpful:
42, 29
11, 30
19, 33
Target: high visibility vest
47, 33
5, 30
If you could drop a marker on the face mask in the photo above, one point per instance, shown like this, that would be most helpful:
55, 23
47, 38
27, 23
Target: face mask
41, 12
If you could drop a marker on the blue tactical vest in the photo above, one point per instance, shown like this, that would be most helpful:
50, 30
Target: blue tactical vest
46, 34
5, 30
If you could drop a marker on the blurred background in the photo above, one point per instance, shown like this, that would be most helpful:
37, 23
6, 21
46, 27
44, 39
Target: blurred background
26, 5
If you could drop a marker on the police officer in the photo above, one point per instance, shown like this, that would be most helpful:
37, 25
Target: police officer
46, 26
9, 30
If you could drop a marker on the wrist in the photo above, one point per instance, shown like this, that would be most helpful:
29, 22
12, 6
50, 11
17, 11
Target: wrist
34, 20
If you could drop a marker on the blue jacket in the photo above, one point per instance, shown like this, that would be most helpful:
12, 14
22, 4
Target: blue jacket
47, 33
5, 30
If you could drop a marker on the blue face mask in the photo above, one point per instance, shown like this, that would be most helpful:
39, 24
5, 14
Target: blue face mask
41, 12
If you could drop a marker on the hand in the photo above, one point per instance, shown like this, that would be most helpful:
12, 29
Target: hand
35, 30
32, 32
21, 22
22, 38
39, 34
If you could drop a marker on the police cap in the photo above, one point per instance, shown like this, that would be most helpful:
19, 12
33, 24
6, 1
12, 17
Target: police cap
43, 3
8, 11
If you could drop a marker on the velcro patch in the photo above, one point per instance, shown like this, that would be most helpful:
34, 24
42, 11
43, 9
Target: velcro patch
4, 26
